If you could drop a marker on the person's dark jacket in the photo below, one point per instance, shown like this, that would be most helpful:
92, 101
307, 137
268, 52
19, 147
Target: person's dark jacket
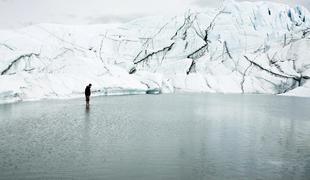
87, 91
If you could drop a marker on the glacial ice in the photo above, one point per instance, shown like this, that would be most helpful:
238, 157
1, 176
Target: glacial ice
243, 47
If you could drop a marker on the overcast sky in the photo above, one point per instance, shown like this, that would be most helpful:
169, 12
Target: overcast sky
18, 13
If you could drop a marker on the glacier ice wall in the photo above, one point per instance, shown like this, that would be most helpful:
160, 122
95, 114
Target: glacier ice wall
242, 47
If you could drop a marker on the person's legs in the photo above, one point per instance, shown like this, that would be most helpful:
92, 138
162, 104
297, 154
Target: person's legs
87, 100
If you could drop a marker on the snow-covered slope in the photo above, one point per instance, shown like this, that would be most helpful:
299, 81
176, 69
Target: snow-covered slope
243, 47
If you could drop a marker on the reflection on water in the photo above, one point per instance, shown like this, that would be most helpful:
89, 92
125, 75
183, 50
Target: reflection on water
184, 136
86, 137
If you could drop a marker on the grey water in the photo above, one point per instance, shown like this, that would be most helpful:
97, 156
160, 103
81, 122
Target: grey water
176, 136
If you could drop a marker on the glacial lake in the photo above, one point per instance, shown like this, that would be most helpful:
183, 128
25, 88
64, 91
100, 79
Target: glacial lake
157, 137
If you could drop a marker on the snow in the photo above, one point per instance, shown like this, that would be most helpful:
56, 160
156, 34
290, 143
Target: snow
244, 47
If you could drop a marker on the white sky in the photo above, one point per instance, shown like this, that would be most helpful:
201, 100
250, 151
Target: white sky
18, 13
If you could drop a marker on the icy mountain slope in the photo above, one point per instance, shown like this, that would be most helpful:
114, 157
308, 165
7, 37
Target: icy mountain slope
241, 48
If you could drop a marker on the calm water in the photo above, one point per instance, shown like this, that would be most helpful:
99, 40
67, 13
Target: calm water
183, 136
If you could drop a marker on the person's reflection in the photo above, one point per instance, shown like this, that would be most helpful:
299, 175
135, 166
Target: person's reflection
86, 136
87, 110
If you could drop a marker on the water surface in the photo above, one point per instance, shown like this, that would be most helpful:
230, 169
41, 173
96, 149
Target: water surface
176, 136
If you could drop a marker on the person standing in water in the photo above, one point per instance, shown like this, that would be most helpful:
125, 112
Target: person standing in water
87, 94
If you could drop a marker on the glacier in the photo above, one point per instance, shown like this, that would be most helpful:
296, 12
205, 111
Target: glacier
242, 47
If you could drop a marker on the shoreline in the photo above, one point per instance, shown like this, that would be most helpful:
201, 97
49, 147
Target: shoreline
133, 93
